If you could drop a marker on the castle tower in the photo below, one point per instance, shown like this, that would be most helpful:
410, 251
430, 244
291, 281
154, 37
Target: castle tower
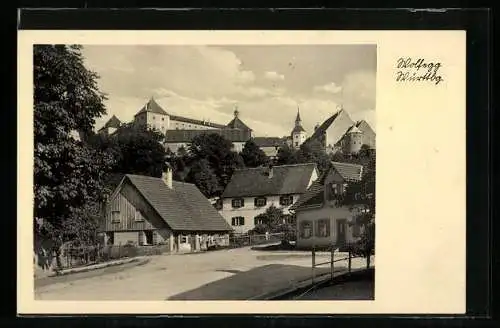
299, 135
354, 140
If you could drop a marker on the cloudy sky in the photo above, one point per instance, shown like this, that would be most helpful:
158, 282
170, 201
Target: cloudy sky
267, 83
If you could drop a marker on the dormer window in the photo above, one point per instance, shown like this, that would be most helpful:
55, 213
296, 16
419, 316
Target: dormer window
334, 190
237, 203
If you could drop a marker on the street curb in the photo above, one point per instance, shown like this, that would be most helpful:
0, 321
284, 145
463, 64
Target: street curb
305, 285
141, 260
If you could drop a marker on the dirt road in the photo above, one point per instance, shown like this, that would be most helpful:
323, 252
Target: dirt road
236, 274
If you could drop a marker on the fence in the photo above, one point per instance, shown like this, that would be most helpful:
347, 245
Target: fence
77, 256
243, 240
332, 260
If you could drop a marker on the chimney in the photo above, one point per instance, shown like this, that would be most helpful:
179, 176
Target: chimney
167, 175
268, 171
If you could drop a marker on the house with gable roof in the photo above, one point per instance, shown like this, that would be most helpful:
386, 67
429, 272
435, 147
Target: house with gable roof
253, 190
340, 133
145, 210
322, 219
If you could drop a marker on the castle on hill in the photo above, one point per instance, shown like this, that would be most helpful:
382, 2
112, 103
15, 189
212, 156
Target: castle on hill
337, 133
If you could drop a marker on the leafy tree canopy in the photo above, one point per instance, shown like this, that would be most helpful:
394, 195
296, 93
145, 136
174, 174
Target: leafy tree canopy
136, 150
252, 155
203, 177
68, 174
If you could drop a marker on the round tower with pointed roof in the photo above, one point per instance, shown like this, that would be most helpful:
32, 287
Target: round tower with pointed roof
354, 140
299, 134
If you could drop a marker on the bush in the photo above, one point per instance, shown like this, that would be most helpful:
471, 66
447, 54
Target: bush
259, 229
289, 232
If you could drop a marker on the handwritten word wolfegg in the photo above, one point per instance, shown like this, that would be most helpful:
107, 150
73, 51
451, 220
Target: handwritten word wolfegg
419, 70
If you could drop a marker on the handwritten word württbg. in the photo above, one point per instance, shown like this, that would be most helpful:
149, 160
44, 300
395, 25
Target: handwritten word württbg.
419, 70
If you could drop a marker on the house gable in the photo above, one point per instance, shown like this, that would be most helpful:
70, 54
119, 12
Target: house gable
134, 212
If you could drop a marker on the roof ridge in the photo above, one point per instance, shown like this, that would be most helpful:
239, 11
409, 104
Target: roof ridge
296, 164
335, 162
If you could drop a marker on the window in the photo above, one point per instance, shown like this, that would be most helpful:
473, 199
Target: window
323, 228
148, 234
334, 190
154, 118
138, 216
296, 144
258, 220
238, 202
260, 201
286, 200
237, 221
305, 230
115, 216
111, 238
163, 118
184, 239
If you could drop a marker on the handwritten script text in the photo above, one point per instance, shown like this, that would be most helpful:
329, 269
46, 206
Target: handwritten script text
418, 70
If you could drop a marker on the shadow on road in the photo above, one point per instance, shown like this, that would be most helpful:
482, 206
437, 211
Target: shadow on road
45, 281
248, 284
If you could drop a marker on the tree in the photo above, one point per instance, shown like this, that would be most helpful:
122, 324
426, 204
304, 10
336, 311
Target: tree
203, 177
311, 151
253, 156
68, 174
136, 150
286, 155
218, 152
362, 194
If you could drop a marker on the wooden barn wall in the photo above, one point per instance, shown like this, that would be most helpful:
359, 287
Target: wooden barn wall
127, 201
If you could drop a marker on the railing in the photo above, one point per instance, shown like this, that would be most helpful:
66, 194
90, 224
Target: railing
243, 240
78, 256
332, 261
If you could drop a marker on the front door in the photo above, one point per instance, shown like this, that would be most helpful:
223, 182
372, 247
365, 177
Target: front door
341, 227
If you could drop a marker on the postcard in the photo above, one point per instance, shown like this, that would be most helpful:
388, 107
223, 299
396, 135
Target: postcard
179, 172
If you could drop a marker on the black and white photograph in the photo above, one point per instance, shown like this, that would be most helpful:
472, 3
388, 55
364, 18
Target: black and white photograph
183, 172
204, 172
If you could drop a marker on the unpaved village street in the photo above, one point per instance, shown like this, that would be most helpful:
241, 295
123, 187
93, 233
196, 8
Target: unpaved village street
236, 274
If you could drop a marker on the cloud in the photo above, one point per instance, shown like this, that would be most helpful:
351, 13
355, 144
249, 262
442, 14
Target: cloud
274, 76
328, 88
359, 91
206, 82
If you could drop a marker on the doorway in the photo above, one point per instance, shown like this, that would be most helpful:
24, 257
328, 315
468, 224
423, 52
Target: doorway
341, 231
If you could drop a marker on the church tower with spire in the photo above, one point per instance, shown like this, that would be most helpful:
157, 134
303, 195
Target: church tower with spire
299, 134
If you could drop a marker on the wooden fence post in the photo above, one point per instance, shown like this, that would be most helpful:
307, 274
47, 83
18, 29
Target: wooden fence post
331, 263
313, 264
350, 257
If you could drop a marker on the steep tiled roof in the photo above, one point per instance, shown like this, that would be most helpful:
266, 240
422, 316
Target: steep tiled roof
354, 129
336, 126
198, 122
297, 129
233, 135
314, 195
183, 208
348, 171
236, 123
268, 141
285, 179
113, 122
325, 125
152, 107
